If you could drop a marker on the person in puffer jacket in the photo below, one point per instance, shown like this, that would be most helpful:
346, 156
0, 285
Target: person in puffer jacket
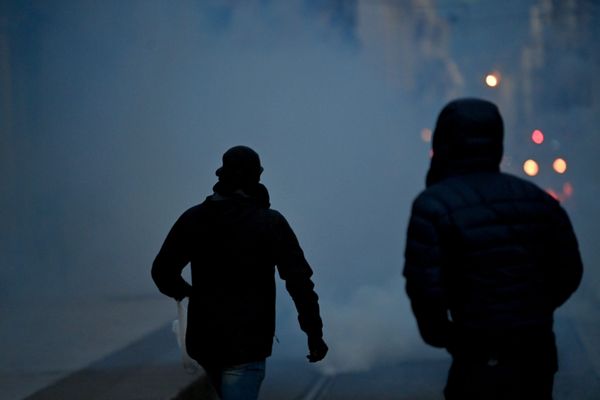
233, 241
488, 259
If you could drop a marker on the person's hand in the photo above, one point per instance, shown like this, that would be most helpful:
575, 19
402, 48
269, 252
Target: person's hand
317, 349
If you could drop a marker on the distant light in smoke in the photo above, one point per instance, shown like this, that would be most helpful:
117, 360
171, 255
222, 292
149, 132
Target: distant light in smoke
537, 136
567, 192
426, 135
531, 167
430, 153
559, 165
492, 79
552, 193
568, 189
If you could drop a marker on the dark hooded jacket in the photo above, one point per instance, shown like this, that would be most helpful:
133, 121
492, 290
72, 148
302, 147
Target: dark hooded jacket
489, 256
234, 242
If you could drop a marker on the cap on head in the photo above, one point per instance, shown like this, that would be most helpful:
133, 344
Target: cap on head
241, 164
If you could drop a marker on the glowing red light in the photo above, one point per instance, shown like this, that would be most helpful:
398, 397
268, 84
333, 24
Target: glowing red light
552, 193
568, 189
537, 136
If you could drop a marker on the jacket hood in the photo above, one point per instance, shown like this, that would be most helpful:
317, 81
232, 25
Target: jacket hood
467, 138
256, 193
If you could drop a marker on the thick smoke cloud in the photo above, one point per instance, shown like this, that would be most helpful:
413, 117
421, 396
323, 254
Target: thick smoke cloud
119, 113
130, 108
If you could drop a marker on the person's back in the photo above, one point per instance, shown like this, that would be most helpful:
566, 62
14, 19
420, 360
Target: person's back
495, 252
234, 241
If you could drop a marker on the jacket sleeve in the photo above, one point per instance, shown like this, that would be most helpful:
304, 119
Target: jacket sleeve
296, 272
423, 274
172, 258
567, 266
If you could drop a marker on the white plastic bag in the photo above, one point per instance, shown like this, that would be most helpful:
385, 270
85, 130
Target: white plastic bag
179, 328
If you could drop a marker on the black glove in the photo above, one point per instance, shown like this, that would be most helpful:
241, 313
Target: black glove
317, 348
185, 292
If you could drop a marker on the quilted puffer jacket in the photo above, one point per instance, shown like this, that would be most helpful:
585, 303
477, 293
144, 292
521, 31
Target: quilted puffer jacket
489, 256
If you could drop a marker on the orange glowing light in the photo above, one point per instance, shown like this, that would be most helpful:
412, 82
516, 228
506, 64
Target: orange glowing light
553, 194
531, 167
426, 135
537, 136
559, 165
568, 189
492, 79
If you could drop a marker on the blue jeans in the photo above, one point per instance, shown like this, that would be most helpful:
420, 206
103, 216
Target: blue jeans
238, 382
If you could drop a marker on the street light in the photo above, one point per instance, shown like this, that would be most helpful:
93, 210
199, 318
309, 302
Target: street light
492, 79
559, 165
531, 167
537, 136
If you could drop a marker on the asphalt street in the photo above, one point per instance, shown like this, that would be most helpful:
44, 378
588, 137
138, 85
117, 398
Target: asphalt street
149, 368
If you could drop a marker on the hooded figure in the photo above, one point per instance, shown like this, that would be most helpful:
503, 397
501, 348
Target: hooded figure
488, 259
234, 242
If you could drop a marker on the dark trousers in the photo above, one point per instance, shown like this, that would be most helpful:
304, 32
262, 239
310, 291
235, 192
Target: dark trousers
491, 379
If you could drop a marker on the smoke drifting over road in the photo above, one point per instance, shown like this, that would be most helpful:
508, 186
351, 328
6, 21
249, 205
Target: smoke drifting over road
116, 116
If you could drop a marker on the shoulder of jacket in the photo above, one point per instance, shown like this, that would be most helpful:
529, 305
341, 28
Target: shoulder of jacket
475, 190
430, 202
273, 215
194, 211
529, 190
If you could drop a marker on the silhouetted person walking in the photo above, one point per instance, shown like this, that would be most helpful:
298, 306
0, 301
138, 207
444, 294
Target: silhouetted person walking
488, 259
233, 241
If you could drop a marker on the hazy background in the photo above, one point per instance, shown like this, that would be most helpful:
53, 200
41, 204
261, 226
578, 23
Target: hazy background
114, 117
